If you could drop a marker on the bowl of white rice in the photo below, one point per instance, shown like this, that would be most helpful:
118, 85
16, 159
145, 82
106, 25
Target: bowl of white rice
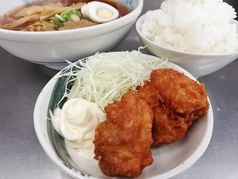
200, 36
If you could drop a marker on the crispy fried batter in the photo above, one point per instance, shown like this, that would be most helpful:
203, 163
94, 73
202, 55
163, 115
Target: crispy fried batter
160, 112
167, 126
122, 142
149, 93
176, 101
181, 94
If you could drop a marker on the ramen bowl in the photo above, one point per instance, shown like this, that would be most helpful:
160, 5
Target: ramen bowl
198, 64
52, 48
169, 160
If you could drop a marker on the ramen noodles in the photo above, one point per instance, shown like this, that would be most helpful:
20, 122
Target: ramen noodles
61, 15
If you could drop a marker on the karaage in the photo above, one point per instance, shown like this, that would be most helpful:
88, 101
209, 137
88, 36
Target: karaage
184, 96
176, 101
122, 142
159, 112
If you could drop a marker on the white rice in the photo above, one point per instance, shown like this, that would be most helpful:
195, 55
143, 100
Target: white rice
198, 26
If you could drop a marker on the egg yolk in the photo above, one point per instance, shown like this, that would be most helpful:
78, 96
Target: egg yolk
104, 13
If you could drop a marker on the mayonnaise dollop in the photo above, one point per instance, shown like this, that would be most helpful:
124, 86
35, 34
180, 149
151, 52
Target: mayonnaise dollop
76, 122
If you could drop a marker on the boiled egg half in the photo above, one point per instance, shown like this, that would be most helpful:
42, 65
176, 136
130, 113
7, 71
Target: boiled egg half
99, 12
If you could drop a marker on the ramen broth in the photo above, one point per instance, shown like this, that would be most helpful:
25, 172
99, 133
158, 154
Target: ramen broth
11, 21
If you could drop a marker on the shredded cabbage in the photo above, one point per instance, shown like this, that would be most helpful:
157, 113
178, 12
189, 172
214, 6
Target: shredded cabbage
105, 77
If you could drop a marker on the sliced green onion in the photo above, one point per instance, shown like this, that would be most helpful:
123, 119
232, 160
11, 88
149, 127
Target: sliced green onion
74, 18
70, 14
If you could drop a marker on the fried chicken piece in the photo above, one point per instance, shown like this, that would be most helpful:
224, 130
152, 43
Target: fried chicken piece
176, 101
149, 93
167, 126
181, 94
122, 142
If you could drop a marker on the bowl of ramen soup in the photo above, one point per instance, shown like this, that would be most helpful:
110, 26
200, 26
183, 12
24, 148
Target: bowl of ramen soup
50, 33
201, 37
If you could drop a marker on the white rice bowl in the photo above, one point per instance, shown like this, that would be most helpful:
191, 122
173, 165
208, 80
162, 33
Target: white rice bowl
195, 26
